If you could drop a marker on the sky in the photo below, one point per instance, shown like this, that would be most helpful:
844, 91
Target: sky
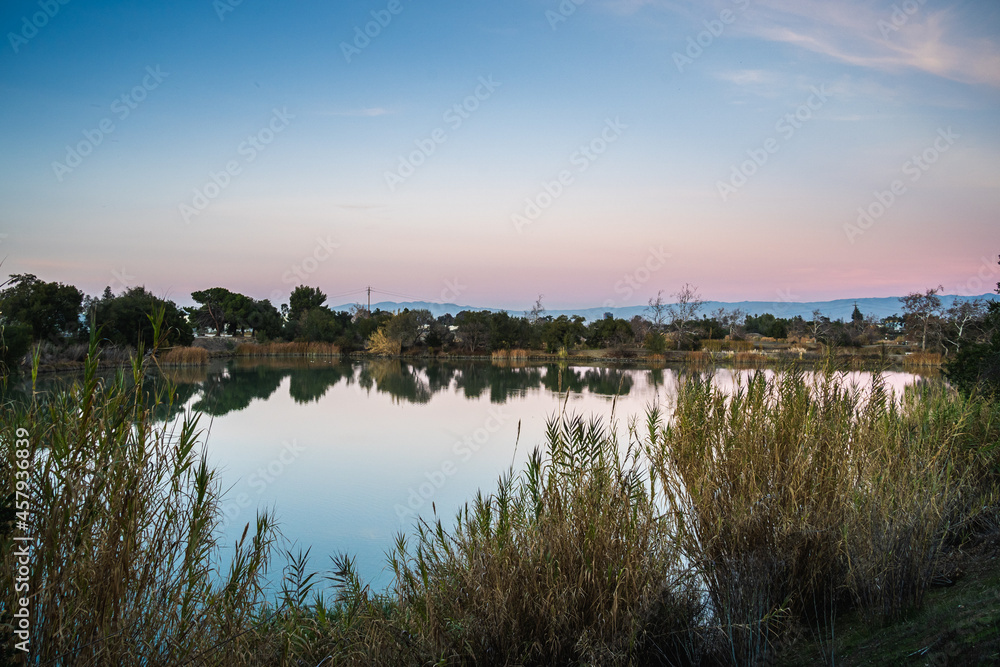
590, 151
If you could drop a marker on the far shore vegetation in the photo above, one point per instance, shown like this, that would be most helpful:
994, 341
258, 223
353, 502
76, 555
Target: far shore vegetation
53, 320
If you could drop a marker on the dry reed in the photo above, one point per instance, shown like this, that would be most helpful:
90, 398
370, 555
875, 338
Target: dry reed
313, 349
922, 360
185, 356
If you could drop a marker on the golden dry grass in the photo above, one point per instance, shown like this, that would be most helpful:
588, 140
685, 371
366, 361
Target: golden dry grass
287, 350
922, 359
509, 355
750, 359
185, 356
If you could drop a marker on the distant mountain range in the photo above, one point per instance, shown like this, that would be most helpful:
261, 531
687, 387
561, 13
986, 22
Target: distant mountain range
878, 307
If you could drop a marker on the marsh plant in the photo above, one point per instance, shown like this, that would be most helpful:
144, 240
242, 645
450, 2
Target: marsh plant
124, 560
716, 531
795, 498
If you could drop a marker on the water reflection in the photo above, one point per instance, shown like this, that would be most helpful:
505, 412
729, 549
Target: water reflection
232, 386
377, 443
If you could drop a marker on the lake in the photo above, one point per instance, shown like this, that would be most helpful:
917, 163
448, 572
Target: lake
349, 453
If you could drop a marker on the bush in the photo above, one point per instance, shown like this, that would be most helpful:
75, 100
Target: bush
15, 339
655, 343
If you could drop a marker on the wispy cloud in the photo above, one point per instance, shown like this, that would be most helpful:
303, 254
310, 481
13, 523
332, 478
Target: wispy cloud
931, 41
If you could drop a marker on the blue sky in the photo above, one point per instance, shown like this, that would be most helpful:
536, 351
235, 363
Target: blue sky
737, 139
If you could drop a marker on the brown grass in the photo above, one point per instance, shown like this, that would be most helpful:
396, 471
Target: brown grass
749, 359
922, 359
796, 498
509, 355
698, 358
185, 356
288, 350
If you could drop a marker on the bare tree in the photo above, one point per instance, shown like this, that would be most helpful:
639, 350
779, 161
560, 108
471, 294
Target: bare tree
684, 311
961, 317
820, 325
658, 312
922, 312
537, 311
730, 319
359, 312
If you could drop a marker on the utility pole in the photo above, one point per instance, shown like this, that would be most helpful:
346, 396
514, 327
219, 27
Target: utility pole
369, 300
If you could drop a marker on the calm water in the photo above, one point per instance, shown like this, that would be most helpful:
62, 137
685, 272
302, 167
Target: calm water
350, 453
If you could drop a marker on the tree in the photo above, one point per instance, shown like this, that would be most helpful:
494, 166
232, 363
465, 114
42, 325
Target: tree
264, 320
124, 319
508, 333
658, 312
15, 340
51, 310
732, 320
684, 311
655, 342
609, 332
857, 319
318, 325
536, 312
563, 332
921, 312
474, 328
640, 327
214, 311
407, 327
379, 343
767, 325
820, 326
976, 365
960, 319
304, 299
359, 312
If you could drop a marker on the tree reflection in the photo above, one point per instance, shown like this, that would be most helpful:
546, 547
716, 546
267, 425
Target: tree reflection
228, 387
393, 377
608, 381
232, 389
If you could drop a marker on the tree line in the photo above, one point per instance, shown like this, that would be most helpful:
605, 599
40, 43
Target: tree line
36, 311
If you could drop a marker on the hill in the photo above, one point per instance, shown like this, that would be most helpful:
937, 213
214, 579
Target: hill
878, 307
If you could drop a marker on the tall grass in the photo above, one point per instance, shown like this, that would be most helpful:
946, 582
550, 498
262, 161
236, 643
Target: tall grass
750, 359
702, 540
698, 358
922, 360
567, 562
122, 516
792, 498
287, 350
185, 356
509, 355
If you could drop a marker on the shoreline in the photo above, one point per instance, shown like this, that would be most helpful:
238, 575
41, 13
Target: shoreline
777, 356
